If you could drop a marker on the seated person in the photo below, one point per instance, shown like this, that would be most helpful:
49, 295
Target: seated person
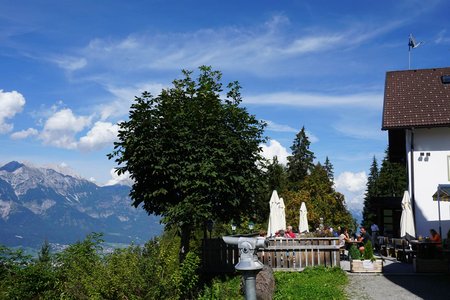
365, 237
435, 238
280, 234
343, 237
289, 233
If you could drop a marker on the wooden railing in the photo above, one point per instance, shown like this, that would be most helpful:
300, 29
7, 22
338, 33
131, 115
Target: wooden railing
281, 254
296, 254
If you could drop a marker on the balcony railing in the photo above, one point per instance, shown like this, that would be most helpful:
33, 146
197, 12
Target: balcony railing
281, 254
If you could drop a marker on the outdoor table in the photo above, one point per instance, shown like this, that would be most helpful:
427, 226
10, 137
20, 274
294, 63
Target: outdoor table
425, 248
352, 242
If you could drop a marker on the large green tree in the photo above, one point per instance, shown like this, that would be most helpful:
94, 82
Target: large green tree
321, 200
192, 155
301, 162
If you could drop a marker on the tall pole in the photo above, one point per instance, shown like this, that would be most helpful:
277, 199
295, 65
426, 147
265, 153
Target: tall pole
409, 57
439, 208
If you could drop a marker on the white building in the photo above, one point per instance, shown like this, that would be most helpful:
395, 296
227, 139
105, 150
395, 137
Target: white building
416, 114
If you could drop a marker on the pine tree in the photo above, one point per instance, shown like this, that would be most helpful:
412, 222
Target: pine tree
392, 180
300, 163
329, 168
371, 192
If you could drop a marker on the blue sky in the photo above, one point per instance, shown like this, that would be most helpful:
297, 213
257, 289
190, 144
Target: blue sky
70, 69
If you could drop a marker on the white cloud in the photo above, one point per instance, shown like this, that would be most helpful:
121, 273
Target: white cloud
23, 134
272, 126
101, 135
123, 179
60, 129
353, 182
316, 100
11, 103
274, 148
353, 186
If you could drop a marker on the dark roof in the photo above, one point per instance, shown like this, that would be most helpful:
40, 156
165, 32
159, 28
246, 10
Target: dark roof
416, 98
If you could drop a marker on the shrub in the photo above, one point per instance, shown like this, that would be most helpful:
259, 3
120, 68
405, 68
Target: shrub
354, 252
368, 251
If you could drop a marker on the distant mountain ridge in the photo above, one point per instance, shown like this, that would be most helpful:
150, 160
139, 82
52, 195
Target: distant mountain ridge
40, 203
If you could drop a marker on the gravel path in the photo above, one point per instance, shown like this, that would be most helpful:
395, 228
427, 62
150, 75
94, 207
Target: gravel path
398, 287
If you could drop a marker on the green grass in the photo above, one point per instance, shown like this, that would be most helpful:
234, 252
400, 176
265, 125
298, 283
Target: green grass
223, 289
312, 283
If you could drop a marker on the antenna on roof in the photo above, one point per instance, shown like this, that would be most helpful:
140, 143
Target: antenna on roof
412, 44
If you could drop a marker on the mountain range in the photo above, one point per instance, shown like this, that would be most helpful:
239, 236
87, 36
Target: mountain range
38, 204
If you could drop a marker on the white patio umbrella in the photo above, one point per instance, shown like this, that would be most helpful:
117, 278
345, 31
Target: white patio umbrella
274, 216
303, 223
407, 229
282, 212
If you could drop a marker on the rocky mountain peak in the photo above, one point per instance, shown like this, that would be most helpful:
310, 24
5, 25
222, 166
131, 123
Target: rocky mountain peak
11, 166
38, 203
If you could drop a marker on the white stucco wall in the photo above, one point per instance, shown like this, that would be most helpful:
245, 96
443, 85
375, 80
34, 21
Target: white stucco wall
428, 173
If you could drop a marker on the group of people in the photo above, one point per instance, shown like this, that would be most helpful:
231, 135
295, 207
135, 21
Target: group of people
345, 240
288, 233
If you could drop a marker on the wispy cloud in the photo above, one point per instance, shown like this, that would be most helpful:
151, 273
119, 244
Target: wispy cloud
123, 98
442, 38
23, 134
245, 49
272, 126
367, 100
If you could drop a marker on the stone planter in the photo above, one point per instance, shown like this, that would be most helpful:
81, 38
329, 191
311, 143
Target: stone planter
366, 266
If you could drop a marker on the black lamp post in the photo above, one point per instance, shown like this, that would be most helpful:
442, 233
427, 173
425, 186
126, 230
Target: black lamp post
233, 228
209, 225
251, 226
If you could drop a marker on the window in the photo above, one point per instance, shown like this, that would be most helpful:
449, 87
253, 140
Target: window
445, 79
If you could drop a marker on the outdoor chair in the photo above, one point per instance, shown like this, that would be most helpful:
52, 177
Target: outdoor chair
403, 251
387, 247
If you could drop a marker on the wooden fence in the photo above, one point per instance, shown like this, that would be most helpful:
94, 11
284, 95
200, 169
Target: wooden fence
281, 254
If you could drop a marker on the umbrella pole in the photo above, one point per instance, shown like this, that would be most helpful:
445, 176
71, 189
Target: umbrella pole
439, 210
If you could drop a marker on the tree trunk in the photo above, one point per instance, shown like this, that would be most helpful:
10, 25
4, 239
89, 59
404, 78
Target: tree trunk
186, 230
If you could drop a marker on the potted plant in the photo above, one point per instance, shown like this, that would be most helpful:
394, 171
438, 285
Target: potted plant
364, 262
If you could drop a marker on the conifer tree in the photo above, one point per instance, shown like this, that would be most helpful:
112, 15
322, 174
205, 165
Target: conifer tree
300, 163
329, 168
392, 180
371, 192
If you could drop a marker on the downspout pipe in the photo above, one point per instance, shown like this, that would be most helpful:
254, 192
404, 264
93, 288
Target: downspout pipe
413, 202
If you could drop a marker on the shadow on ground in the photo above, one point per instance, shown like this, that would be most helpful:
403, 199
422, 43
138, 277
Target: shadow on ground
398, 281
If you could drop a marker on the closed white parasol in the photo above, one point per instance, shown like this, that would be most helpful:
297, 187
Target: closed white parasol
303, 223
275, 216
407, 229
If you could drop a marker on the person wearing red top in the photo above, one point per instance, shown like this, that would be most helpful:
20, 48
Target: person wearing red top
289, 233
435, 238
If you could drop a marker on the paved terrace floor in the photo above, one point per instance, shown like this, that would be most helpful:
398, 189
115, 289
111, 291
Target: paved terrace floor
398, 281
